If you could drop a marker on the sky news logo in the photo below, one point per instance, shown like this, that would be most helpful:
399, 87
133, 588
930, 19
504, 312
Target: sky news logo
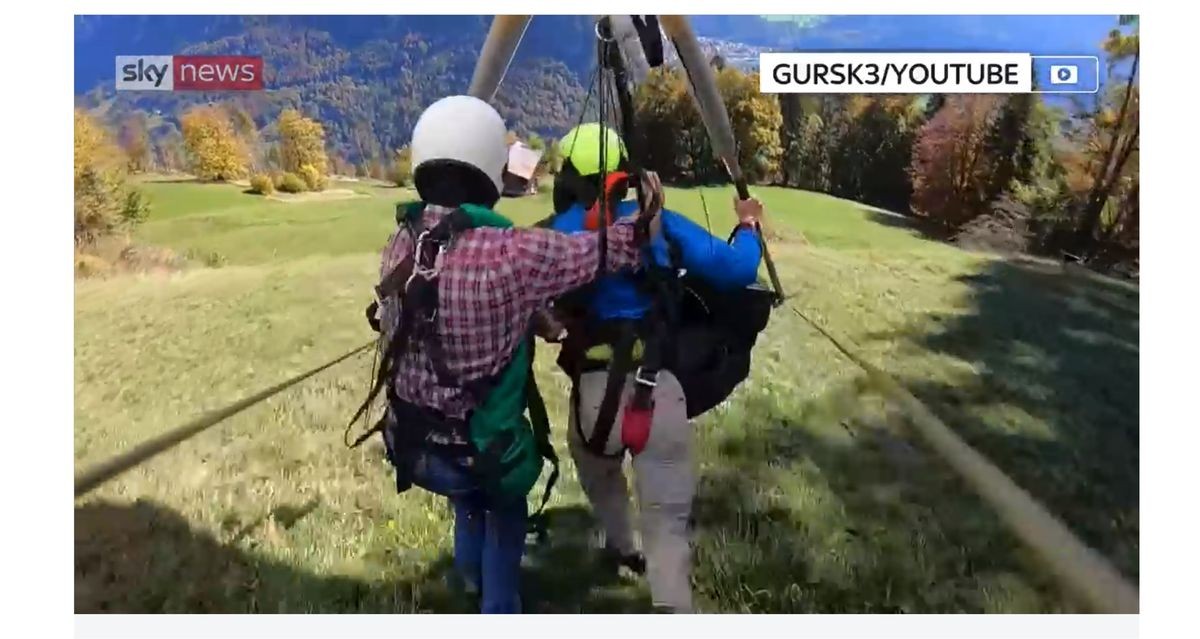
189, 73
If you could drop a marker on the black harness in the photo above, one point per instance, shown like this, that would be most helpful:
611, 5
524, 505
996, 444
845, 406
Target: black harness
407, 427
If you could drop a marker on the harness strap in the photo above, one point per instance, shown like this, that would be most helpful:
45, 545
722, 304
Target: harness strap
618, 370
661, 326
414, 294
425, 292
377, 428
393, 283
539, 419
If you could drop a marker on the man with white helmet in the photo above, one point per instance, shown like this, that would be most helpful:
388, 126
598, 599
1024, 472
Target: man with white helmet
459, 286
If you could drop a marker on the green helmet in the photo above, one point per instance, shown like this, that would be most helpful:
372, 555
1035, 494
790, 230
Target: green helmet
581, 147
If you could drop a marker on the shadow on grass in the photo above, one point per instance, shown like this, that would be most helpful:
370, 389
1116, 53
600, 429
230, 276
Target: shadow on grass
146, 558
1054, 401
916, 226
831, 506
805, 515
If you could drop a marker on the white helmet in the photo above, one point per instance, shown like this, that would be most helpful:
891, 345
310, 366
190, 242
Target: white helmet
461, 130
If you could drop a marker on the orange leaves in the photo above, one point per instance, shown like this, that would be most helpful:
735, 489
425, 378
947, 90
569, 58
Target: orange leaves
216, 152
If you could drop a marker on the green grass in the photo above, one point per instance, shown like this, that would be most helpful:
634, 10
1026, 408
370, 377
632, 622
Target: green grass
813, 497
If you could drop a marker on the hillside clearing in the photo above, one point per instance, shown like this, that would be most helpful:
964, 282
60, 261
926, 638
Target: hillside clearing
812, 498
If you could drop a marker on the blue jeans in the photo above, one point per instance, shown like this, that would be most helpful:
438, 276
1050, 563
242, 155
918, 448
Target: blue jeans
489, 539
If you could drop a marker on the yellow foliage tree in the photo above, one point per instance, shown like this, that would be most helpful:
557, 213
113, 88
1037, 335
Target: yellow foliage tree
756, 120
401, 173
217, 153
104, 201
302, 144
675, 142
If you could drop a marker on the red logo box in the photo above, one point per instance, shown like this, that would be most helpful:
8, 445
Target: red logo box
217, 72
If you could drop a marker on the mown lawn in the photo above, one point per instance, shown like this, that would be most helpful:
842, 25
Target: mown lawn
813, 498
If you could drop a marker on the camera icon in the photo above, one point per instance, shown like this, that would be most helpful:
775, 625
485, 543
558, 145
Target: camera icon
1064, 74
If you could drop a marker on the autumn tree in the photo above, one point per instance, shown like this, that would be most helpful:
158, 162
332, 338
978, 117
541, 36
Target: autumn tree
401, 171
950, 164
875, 141
215, 151
791, 126
1116, 130
105, 201
674, 141
301, 144
662, 122
756, 120
813, 128
1012, 143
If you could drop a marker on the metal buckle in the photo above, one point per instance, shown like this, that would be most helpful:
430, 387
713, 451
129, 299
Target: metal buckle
651, 382
418, 270
600, 37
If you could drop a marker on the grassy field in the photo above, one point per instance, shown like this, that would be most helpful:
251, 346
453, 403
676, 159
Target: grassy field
813, 498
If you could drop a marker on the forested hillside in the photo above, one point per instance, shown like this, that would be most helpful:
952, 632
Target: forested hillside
368, 88
1008, 172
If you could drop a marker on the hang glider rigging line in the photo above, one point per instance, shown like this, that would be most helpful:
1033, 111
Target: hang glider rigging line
638, 49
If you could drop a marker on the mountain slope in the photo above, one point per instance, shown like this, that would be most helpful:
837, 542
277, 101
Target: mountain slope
365, 80
368, 77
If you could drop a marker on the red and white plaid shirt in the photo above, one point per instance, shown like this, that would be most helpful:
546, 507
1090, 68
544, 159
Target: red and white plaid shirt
491, 282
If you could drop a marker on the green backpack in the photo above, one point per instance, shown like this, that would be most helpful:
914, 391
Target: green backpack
510, 447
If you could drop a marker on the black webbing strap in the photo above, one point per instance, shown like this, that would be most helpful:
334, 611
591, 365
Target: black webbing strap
618, 370
660, 323
366, 434
651, 38
539, 419
417, 296
387, 365
424, 294
393, 283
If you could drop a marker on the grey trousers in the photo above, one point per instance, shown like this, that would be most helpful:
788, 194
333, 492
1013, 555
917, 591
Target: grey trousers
663, 475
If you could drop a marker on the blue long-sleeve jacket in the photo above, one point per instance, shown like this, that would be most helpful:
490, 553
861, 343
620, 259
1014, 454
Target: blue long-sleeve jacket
726, 266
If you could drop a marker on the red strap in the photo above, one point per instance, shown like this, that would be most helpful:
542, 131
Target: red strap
635, 427
615, 186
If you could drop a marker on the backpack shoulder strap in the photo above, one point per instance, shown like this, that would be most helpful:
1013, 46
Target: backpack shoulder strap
408, 216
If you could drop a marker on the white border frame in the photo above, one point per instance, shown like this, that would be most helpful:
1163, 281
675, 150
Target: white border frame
38, 277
